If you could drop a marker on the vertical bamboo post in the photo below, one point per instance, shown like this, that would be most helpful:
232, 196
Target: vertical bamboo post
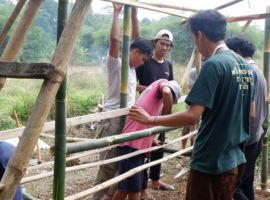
19, 34
125, 64
198, 62
11, 20
60, 117
266, 70
18, 162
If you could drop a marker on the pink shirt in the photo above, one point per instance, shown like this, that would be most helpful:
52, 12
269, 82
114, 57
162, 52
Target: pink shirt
151, 101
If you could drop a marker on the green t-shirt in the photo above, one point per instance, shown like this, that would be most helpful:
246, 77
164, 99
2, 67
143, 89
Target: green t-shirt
226, 86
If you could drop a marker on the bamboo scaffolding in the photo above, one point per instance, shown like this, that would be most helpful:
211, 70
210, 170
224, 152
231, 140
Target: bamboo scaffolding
125, 175
69, 169
160, 5
116, 139
149, 7
125, 64
11, 20
50, 126
19, 34
60, 116
245, 27
68, 139
184, 78
266, 69
248, 17
17, 164
47, 164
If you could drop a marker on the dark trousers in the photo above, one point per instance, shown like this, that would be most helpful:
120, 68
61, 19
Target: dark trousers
202, 186
245, 190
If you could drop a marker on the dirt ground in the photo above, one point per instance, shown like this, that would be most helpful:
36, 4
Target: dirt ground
80, 180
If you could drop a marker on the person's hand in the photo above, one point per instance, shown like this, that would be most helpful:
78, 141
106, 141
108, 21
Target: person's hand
138, 114
193, 137
117, 7
156, 142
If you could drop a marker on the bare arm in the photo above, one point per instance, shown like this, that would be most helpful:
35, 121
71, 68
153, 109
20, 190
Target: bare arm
140, 88
115, 31
136, 30
253, 110
188, 117
167, 100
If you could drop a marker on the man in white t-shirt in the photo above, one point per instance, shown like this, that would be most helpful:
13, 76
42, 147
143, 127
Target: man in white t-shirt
140, 50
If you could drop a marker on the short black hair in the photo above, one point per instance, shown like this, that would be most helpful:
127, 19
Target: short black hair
211, 22
241, 43
144, 46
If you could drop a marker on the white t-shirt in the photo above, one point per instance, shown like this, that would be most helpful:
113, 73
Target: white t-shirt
114, 66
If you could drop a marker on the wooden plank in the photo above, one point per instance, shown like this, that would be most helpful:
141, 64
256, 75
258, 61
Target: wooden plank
245, 27
50, 126
260, 191
149, 7
249, 17
26, 70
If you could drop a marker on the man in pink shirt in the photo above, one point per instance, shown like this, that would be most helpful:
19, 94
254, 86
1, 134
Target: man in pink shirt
154, 97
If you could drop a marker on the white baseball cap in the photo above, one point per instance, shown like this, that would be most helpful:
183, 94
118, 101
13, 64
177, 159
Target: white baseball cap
163, 35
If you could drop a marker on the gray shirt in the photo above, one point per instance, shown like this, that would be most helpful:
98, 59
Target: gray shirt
192, 77
260, 107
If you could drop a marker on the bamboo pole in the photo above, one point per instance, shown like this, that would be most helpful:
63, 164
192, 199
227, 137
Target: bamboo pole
245, 27
266, 69
27, 196
149, 7
19, 34
161, 5
103, 162
117, 139
47, 164
17, 164
60, 117
248, 17
198, 62
227, 4
185, 75
68, 139
125, 64
126, 175
11, 20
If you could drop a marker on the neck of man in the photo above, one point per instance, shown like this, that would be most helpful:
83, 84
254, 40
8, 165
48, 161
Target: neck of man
158, 57
210, 47
248, 58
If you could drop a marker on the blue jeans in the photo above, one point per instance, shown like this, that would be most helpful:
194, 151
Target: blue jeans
245, 190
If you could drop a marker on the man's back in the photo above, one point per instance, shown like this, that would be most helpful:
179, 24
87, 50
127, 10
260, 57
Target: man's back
225, 86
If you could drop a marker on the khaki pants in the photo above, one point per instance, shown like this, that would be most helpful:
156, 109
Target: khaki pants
105, 128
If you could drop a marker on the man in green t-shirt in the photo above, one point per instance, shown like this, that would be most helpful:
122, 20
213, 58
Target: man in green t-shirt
224, 95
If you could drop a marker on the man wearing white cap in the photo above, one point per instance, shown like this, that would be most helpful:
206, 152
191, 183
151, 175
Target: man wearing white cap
153, 69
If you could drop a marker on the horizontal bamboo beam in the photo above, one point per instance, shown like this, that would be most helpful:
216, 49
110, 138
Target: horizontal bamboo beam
126, 175
227, 4
149, 7
249, 17
26, 70
103, 162
50, 126
68, 139
169, 150
27, 196
161, 5
116, 139
47, 164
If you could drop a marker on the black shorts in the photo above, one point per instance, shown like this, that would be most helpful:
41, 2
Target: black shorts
133, 183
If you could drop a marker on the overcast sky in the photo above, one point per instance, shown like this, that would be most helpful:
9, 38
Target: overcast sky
239, 9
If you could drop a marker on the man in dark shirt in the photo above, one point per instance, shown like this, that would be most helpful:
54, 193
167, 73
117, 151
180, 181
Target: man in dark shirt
153, 69
242, 46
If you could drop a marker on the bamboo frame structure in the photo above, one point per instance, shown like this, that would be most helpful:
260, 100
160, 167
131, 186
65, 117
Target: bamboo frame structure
125, 64
19, 34
60, 116
116, 139
161, 5
103, 162
126, 175
266, 68
17, 164
245, 27
11, 20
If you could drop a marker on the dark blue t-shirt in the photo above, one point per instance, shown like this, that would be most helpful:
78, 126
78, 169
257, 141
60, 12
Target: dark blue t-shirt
6, 151
226, 86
